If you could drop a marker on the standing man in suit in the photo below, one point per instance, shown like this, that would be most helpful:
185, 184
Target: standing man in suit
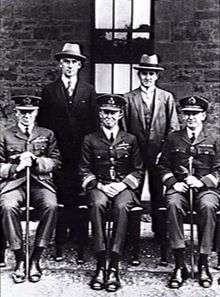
112, 171
69, 109
203, 148
150, 114
21, 146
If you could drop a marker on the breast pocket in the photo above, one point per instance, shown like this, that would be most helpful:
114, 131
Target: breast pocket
40, 149
206, 151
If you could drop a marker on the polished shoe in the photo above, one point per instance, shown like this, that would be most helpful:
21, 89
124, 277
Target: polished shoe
35, 272
98, 281
59, 254
2, 259
113, 281
179, 275
205, 277
19, 274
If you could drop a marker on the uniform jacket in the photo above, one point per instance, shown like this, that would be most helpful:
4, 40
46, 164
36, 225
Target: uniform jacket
70, 122
105, 162
41, 143
205, 151
164, 120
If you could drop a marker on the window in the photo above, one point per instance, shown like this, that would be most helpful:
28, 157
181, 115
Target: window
122, 33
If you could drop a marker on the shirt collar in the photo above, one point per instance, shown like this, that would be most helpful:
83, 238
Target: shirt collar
196, 131
66, 80
108, 132
23, 128
148, 90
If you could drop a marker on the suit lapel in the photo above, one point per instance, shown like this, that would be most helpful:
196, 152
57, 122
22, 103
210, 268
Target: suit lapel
155, 106
138, 104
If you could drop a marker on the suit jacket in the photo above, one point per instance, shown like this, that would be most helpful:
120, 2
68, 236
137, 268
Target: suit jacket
205, 150
41, 143
103, 161
70, 122
164, 120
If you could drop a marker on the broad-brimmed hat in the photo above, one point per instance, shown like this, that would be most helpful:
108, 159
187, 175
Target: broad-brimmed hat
194, 103
26, 102
71, 50
111, 102
149, 62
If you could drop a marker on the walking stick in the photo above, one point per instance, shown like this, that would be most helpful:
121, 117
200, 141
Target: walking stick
27, 212
27, 219
191, 220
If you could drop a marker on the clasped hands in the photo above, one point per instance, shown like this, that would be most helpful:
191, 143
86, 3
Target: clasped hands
26, 159
112, 189
189, 182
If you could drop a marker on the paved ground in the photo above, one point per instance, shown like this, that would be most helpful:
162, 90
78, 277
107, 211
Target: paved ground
67, 279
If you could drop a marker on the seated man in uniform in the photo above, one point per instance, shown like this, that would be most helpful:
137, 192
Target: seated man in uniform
112, 172
202, 149
21, 146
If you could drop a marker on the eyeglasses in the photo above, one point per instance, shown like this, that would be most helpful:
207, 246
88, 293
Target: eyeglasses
151, 73
191, 113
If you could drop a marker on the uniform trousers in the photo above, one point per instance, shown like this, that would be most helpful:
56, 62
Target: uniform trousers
42, 199
206, 204
121, 204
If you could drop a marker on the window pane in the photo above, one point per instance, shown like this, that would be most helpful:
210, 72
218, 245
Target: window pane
103, 78
141, 13
135, 79
103, 14
121, 78
122, 14
141, 35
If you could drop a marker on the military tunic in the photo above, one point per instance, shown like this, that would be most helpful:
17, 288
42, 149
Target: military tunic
106, 162
42, 144
173, 166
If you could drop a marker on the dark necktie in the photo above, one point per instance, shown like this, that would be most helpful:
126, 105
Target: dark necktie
193, 137
27, 133
112, 137
69, 89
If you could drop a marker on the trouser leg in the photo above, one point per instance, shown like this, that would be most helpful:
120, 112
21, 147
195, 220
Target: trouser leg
207, 205
10, 211
46, 201
98, 204
122, 204
176, 205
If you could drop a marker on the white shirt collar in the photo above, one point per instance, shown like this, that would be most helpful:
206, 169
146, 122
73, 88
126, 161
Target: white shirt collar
148, 90
23, 128
196, 131
65, 80
108, 132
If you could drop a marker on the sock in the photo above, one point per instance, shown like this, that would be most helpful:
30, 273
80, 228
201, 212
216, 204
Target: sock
179, 257
203, 260
19, 255
115, 257
37, 253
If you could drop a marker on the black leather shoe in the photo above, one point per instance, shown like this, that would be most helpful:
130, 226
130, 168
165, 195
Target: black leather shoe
113, 281
179, 275
35, 272
19, 274
2, 259
59, 254
98, 281
205, 277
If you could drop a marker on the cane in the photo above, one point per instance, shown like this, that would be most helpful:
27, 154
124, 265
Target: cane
27, 212
27, 219
191, 220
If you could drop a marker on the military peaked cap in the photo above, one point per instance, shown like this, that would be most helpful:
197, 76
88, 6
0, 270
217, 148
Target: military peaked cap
26, 102
111, 102
194, 103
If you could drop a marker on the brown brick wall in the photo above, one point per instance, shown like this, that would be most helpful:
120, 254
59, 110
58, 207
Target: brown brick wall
186, 38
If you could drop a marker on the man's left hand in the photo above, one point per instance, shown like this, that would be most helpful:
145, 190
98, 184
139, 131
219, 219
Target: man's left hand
118, 187
193, 182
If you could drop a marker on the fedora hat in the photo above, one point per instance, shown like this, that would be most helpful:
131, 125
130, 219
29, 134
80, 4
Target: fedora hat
149, 62
70, 50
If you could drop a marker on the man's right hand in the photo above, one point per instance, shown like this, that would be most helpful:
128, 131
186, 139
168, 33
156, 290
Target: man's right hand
181, 187
26, 160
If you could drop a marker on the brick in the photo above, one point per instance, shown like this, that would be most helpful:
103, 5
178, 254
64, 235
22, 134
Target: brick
37, 54
211, 75
46, 33
207, 4
162, 31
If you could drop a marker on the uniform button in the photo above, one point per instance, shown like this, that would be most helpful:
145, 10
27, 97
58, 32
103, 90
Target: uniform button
111, 147
192, 147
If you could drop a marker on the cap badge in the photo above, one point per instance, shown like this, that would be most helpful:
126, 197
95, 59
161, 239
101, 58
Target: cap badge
192, 100
111, 101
